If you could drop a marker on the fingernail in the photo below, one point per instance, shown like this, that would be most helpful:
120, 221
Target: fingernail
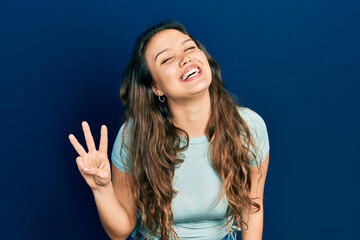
86, 169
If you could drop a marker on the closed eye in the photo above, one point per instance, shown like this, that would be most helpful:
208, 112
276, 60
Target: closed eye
167, 59
190, 48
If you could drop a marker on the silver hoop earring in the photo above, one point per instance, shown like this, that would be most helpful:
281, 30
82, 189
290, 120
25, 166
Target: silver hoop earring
162, 100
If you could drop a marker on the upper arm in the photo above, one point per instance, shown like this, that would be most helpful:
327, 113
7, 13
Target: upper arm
122, 184
254, 226
259, 162
258, 176
122, 176
259, 134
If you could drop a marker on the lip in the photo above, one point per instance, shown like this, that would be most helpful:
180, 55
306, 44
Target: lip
193, 77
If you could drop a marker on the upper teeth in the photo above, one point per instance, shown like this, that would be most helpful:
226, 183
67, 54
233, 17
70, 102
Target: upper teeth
193, 70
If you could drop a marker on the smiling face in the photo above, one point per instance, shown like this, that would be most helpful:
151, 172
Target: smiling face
179, 68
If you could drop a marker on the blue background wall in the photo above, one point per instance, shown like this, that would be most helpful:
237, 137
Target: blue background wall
297, 63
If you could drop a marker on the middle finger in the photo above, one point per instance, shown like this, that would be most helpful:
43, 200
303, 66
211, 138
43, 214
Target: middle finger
88, 137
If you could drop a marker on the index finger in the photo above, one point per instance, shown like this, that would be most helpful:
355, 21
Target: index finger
79, 149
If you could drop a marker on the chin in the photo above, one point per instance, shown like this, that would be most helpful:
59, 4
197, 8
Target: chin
201, 87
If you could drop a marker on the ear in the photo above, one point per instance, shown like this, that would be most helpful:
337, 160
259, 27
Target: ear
156, 90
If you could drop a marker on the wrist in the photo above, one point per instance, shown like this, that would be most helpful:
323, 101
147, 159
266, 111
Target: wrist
103, 189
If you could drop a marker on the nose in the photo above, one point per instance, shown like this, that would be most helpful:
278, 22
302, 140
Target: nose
184, 60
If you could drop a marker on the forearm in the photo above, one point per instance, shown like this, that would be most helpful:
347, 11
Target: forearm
113, 216
255, 225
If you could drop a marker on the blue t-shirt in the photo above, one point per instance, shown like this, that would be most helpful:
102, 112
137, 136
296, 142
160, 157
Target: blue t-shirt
196, 215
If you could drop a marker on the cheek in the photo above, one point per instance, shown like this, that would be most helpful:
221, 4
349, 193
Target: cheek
170, 71
202, 57
206, 66
165, 77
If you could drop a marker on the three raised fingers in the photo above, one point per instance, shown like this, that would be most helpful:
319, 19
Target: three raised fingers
90, 141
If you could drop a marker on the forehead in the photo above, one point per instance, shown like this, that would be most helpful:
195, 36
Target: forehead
164, 39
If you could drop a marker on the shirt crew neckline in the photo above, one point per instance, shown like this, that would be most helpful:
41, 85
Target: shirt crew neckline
196, 140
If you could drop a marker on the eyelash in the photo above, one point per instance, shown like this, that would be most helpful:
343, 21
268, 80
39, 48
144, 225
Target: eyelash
189, 48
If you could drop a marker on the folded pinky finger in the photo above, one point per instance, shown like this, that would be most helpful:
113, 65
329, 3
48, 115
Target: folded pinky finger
96, 172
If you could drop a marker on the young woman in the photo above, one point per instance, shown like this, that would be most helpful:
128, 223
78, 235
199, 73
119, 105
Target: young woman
188, 163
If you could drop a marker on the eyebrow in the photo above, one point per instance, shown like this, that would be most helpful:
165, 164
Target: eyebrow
167, 49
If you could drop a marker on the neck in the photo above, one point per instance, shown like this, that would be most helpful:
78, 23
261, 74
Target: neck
192, 115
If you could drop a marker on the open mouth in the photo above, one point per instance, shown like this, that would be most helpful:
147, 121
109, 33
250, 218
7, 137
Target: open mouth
192, 72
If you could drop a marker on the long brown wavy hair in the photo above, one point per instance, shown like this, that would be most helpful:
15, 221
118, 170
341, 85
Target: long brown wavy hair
154, 142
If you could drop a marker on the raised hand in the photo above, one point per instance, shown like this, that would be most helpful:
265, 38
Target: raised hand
93, 165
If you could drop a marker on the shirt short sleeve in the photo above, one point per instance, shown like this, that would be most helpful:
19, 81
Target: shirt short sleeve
258, 130
119, 154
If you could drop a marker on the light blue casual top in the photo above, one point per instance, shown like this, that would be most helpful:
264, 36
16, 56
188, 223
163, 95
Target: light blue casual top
198, 184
